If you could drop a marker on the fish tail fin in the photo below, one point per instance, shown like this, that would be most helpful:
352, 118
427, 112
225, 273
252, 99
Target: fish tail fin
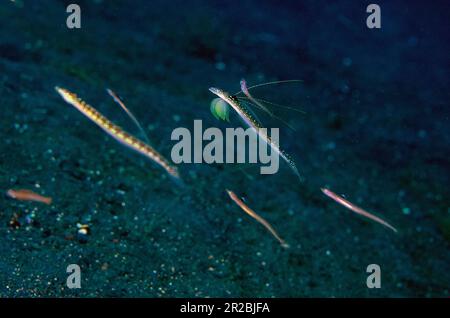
175, 177
292, 165
178, 181
297, 173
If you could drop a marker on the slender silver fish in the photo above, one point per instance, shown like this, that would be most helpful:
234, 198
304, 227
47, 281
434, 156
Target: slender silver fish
253, 123
117, 132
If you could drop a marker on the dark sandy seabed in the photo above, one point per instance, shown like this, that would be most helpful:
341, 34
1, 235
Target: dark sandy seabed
376, 129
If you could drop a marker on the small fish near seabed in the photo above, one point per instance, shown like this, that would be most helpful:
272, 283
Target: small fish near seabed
242, 111
356, 208
28, 195
117, 132
258, 218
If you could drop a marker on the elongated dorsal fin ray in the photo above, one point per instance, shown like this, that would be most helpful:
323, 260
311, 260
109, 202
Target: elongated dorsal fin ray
271, 83
129, 113
245, 115
246, 92
274, 104
248, 108
250, 104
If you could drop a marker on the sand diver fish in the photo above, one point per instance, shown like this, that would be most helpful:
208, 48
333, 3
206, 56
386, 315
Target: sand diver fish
28, 195
258, 218
255, 125
356, 208
117, 132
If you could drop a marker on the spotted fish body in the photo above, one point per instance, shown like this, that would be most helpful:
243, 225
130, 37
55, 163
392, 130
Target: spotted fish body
254, 124
117, 132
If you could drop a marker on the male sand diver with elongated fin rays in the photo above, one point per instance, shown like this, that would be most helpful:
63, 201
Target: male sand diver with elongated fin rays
241, 110
118, 133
